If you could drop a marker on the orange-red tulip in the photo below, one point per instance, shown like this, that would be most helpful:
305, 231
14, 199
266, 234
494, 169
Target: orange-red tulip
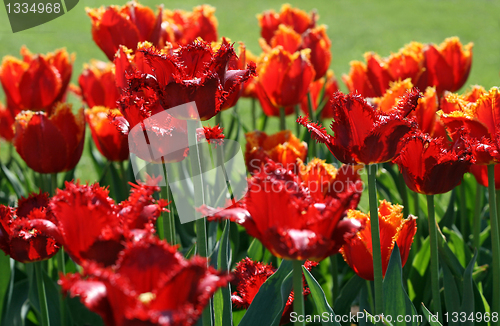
282, 147
37, 82
358, 253
284, 80
98, 85
50, 143
126, 25
110, 142
181, 27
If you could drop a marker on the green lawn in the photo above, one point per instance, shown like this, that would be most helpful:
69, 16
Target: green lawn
353, 26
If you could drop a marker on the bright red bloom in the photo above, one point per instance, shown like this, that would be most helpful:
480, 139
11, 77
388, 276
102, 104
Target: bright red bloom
316, 89
98, 85
288, 220
190, 73
249, 276
151, 284
432, 165
480, 172
481, 120
447, 66
6, 123
284, 80
126, 25
181, 27
373, 78
282, 147
358, 253
50, 143
211, 134
21, 242
110, 142
364, 134
90, 226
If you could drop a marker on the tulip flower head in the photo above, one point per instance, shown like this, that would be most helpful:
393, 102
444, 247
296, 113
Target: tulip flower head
98, 86
357, 252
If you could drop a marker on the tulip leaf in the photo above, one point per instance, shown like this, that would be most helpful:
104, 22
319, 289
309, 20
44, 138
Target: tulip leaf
256, 250
19, 306
347, 294
222, 298
5, 271
319, 298
432, 319
13, 181
451, 293
468, 289
267, 306
397, 302
81, 315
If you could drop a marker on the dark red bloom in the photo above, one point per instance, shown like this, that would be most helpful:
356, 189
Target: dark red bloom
432, 165
98, 85
126, 25
110, 142
190, 73
20, 241
292, 223
364, 134
284, 80
151, 284
358, 252
249, 276
50, 143
92, 227
181, 27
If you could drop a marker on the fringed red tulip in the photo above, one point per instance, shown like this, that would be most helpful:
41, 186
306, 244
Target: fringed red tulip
98, 85
126, 25
50, 143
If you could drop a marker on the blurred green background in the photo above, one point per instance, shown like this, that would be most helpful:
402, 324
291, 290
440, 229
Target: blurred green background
354, 27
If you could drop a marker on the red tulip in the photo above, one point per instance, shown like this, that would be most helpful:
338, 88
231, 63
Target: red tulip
20, 241
288, 220
191, 73
213, 135
181, 27
151, 284
282, 147
480, 119
358, 253
284, 80
98, 85
431, 165
50, 143
364, 134
110, 142
92, 227
248, 278
126, 25
447, 66
37, 82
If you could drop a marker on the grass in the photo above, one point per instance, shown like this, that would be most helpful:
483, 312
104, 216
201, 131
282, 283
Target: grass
354, 27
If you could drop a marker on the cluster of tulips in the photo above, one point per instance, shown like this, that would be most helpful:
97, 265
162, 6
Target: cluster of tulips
129, 261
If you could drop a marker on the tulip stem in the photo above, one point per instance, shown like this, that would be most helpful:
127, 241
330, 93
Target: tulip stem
436, 298
282, 119
376, 251
477, 215
254, 114
44, 311
311, 117
416, 204
463, 211
298, 297
168, 217
218, 118
495, 240
404, 195
297, 114
335, 277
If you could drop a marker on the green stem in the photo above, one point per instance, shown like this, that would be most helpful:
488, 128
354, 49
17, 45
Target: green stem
218, 118
370, 295
168, 217
44, 311
477, 215
312, 143
124, 177
335, 277
61, 266
433, 234
404, 195
416, 204
298, 297
463, 211
297, 114
495, 240
377, 254
53, 183
254, 114
282, 119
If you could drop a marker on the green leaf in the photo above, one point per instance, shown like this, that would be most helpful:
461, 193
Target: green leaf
267, 306
431, 319
347, 294
5, 268
319, 298
222, 298
451, 293
19, 306
81, 315
13, 181
256, 250
396, 301
468, 289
